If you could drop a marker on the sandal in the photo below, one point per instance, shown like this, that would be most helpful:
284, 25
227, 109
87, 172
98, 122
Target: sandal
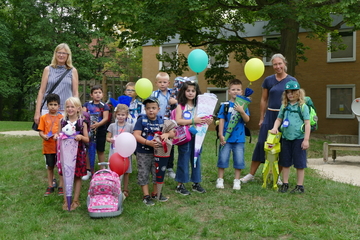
74, 205
126, 193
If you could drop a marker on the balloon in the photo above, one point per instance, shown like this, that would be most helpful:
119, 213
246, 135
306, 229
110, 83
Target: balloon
254, 69
198, 60
125, 144
118, 164
143, 88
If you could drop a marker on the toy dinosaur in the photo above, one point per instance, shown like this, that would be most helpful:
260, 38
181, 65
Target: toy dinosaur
272, 149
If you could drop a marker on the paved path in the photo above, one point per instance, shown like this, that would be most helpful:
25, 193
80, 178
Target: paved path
344, 169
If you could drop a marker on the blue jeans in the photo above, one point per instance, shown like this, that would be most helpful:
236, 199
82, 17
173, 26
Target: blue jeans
238, 155
186, 158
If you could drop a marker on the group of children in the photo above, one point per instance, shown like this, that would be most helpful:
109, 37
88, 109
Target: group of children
148, 121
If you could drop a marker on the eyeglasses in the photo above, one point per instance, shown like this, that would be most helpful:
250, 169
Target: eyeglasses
130, 90
62, 53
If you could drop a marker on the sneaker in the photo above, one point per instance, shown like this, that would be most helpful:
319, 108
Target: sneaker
279, 182
196, 187
284, 188
161, 199
298, 189
237, 184
147, 200
60, 191
247, 178
220, 183
54, 183
171, 173
49, 191
182, 190
87, 176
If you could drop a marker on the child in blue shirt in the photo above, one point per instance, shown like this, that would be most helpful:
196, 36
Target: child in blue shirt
236, 141
295, 135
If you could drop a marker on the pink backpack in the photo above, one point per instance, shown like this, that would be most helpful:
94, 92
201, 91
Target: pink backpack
182, 132
104, 195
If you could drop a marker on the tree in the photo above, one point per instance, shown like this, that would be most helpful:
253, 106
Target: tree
219, 25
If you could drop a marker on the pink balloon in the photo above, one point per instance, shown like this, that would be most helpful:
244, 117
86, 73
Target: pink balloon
125, 144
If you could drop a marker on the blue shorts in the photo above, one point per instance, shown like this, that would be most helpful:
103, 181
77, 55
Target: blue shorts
292, 154
238, 155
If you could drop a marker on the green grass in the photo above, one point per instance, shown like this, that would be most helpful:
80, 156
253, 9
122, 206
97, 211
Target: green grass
15, 126
328, 210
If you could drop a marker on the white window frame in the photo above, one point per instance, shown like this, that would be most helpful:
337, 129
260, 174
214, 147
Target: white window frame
346, 59
328, 101
212, 59
215, 89
168, 45
265, 60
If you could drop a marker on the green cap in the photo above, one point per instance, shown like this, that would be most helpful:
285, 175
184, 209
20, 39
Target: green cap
292, 85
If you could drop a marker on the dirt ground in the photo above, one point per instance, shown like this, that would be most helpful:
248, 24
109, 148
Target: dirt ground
345, 169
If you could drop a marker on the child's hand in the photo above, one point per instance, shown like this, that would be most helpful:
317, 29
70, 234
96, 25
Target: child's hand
78, 137
56, 136
305, 144
239, 108
209, 120
95, 125
274, 131
172, 101
199, 120
164, 136
222, 140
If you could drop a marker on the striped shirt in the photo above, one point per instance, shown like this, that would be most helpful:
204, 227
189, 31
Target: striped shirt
64, 89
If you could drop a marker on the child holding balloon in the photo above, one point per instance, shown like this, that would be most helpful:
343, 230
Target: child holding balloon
121, 125
73, 126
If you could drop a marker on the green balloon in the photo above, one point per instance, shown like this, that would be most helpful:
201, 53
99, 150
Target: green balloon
143, 88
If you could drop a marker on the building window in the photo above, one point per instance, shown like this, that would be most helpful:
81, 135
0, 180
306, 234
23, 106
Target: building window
339, 99
221, 94
275, 41
212, 61
169, 49
346, 55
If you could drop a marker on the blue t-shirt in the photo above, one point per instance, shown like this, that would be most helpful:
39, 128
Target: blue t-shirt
276, 89
148, 128
164, 102
293, 131
96, 113
238, 132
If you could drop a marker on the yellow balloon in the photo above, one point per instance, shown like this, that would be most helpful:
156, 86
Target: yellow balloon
254, 69
143, 88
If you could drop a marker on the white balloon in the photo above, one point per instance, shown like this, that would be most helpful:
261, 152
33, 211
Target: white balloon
125, 144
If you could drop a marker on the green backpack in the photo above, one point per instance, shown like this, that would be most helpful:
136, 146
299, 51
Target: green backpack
312, 112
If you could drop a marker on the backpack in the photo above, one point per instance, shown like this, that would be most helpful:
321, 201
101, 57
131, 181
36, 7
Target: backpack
226, 106
182, 132
312, 113
104, 195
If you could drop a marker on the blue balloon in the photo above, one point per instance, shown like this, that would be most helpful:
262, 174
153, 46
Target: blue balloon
198, 60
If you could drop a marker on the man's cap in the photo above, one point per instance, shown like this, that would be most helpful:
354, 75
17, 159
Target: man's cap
292, 85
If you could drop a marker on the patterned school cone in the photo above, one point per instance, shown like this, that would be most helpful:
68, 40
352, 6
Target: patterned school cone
206, 104
235, 115
68, 153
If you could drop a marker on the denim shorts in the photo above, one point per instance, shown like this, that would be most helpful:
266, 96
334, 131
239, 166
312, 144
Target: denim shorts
238, 155
292, 154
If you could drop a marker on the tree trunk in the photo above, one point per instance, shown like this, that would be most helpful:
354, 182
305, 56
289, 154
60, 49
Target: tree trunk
288, 43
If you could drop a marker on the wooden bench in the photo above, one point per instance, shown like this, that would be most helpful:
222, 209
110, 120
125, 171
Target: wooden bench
337, 146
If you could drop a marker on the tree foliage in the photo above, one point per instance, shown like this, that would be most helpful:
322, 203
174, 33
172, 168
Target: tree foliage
222, 24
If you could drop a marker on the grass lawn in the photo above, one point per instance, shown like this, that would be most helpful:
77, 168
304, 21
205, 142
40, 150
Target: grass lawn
327, 210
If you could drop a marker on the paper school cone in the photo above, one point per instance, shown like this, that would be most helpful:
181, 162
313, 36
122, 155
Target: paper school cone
235, 116
92, 154
205, 108
68, 153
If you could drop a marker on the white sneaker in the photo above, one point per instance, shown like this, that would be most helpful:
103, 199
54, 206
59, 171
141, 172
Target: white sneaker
279, 182
171, 173
87, 176
220, 183
247, 178
237, 184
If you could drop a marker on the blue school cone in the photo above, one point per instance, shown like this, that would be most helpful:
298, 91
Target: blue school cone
92, 151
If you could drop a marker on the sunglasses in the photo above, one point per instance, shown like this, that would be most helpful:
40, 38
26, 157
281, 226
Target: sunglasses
130, 90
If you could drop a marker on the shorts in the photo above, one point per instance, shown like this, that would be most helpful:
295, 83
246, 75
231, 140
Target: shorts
50, 159
100, 141
292, 154
146, 166
238, 155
